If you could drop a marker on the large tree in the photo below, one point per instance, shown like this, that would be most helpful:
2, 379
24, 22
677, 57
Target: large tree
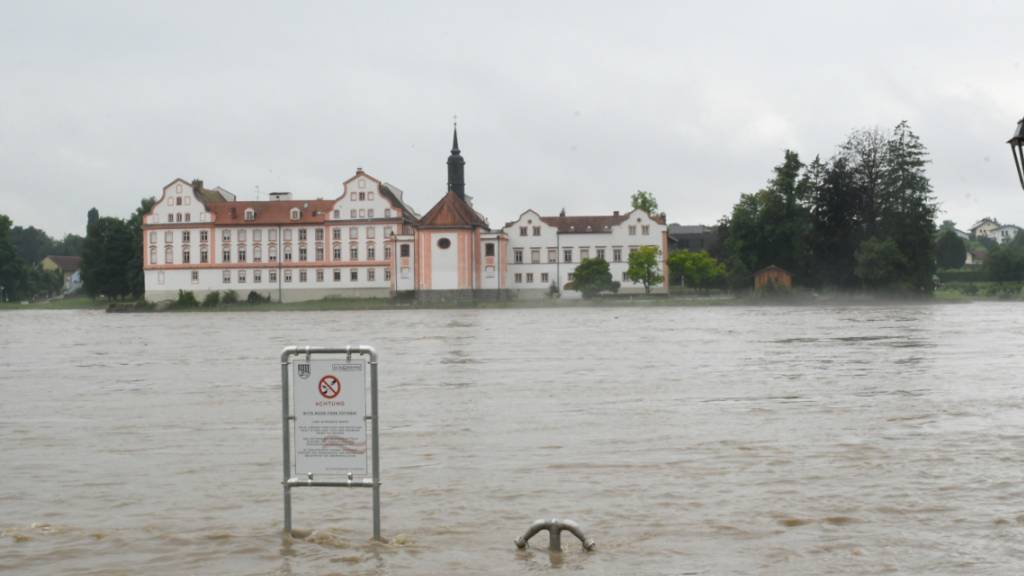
31, 244
107, 258
695, 269
13, 274
645, 201
592, 276
950, 250
643, 267
136, 277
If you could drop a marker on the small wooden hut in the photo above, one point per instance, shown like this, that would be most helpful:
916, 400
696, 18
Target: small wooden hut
774, 276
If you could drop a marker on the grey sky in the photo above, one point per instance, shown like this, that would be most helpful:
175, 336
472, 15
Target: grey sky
572, 105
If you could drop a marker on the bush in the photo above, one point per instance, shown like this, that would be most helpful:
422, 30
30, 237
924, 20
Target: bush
256, 298
947, 276
969, 289
212, 300
230, 297
186, 300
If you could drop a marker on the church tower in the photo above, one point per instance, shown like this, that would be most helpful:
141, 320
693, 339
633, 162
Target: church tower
456, 168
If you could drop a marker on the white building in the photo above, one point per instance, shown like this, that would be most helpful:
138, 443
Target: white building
368, 242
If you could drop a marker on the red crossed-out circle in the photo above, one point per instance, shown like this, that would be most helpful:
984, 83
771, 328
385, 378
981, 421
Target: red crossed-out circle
329, 386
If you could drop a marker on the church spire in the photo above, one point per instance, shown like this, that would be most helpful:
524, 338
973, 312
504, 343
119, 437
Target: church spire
456, 167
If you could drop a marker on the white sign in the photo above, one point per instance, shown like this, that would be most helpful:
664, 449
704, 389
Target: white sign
330, 416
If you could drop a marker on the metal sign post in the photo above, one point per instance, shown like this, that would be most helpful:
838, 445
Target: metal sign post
330, 422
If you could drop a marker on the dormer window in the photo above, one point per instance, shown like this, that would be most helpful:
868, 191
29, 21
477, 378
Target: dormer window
336, 214
250, 214
295, 214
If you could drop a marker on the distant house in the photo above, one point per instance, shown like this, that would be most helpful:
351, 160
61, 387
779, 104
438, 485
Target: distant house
70, 268
774, 276
975, 257
1006, 233
693, 238
985, 228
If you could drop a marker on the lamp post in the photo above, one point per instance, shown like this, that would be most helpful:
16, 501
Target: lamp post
1017, 147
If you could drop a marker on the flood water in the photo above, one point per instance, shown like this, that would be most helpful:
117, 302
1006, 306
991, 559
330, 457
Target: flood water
718, 440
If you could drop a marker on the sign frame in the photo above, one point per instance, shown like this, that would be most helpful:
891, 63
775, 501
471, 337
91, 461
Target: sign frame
288, 420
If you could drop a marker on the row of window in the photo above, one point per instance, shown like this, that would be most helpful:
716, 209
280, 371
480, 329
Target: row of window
302, 276
257, 235
241, 254
529, 277
645, 229
519, 254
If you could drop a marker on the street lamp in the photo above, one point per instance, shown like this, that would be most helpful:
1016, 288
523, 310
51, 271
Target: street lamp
1017, 147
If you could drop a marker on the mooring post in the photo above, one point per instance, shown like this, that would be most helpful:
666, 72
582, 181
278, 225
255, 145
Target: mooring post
554, 527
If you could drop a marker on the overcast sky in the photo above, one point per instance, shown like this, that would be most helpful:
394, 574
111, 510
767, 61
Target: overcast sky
573, 105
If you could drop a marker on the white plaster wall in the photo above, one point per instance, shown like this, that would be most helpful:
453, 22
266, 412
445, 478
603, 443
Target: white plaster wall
168, 204
444, 264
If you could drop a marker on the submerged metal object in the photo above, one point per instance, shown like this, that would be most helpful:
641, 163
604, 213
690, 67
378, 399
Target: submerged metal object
554, 527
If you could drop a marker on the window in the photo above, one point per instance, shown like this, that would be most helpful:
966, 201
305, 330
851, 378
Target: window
241, 254
257, 276
369, 195
152, 254
362, 195
536, 230
241, 276
371, 275
336, 214
226, 255
302, 234
272, 276
250, 214
616, 254
387, 212
371, 252
188, 217
168, 236
387, 274
387, 251
529, 277
353, 252
319, 275
287, 253
170, 217
552, 255
288, 276
225, 235
645, 229
336, 234
195, 276
295, 214
534, 255
272, 235
522, 230
336, 255
600, 253
303, 275
567, 254
257, 254
444, 243
226, 277
489, 249
584, 253
632, 230
353, 233
337, 275
178, 201
403, 250
519, 277
272, 253
371, 232
388, 231
204, 256
517, 255
353, 275
288, 234
186, 236
204, 236
177, 217
544, 277
369, 213
186, 256
302, 253
362, 212
319, 253
571, 276
625, 276
169, 255
353, 213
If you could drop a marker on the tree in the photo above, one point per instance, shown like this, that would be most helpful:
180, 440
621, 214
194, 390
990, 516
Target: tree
13, 277
136, 275
592, 277
107, 258
950, 250
31, 244
1006, 262
645, 201
697, 269
643, 267
70, 245
879, 263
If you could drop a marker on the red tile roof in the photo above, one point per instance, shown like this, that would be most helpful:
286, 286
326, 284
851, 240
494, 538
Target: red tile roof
271, 211
584, 224
452, 212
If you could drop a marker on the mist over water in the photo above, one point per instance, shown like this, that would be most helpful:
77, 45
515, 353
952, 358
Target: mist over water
719, 440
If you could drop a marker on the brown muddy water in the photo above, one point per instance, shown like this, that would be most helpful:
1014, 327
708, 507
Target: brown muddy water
726, 440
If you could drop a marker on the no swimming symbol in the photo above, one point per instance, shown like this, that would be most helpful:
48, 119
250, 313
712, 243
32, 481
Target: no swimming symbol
329, 386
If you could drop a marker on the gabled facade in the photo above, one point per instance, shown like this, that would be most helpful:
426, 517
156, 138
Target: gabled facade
368, 242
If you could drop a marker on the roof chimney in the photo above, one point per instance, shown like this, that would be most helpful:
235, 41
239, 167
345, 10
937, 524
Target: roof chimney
616, 213
197, 186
